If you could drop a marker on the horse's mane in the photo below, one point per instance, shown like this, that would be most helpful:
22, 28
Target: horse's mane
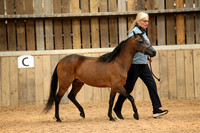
109, 57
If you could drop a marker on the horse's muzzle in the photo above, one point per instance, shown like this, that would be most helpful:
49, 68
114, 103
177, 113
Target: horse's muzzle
150, 51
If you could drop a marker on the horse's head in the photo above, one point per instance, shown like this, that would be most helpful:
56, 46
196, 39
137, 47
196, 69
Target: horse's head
142, 45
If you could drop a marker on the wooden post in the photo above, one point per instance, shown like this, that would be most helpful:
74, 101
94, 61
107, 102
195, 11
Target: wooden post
31, 94
67, 25
152, 29
164, 88
104, 25
30, 29
22, 73
14, 84
39, 26
189, 74
57, 25
11, 27
196, 55
94, 24
131, 7
122, 21
85, 25
197, 19
113, 24
5, 76
171, 65
189, 23
20, 26
39, 86
48, 25
180, 74
161, 25
180, 24
3, 41
76, 25
170, 24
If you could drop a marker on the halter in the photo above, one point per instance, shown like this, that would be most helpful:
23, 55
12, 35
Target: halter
145, 48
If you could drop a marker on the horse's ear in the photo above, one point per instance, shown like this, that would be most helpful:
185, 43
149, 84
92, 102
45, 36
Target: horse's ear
134, 34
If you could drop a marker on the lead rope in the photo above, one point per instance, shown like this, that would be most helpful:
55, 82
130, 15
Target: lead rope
152, 72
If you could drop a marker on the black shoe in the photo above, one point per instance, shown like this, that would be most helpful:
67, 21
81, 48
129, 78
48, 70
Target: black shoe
159, 112
118, 115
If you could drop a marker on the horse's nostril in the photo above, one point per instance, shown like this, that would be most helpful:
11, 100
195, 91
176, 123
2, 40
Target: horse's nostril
154, 52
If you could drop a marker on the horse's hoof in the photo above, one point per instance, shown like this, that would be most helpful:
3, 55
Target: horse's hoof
111, 119
58, 120
82, 114
136, 116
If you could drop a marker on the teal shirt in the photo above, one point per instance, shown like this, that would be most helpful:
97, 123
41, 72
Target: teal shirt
139, 57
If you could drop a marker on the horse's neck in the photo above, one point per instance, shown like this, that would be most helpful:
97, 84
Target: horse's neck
126, 56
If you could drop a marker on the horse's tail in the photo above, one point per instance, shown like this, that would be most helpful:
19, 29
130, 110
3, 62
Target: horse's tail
52, 96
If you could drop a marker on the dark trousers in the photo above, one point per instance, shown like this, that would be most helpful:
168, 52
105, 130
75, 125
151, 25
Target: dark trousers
142, 71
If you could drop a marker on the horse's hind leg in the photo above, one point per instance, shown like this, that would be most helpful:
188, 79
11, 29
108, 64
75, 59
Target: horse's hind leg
59, 96
76, 87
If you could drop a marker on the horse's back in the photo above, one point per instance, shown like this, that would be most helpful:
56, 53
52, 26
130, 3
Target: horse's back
73, 61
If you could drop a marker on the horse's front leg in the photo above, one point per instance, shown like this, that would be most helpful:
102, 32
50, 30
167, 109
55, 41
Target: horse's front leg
111, 101
135, 115
122, 91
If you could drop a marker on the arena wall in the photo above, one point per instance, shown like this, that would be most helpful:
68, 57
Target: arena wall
176, 66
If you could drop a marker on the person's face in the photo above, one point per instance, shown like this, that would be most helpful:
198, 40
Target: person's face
143, 22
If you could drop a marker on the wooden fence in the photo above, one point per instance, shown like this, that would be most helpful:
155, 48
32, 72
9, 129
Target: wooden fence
46, 28
177, 66
74, 24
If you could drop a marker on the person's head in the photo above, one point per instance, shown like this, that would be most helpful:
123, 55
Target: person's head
142, 19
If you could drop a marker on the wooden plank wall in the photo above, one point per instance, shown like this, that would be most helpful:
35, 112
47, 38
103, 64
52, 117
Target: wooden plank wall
178, 70
93, 32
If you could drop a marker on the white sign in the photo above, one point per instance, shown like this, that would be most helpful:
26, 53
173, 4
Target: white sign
26, 61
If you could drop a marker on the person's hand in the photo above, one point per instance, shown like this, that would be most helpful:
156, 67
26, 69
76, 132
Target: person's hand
150, 59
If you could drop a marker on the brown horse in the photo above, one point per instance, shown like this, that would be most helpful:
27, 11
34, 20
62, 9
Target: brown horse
108, 70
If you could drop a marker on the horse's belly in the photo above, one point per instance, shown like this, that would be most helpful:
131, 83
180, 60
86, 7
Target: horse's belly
95, 82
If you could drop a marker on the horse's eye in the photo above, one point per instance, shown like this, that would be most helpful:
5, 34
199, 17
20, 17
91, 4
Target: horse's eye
140, 41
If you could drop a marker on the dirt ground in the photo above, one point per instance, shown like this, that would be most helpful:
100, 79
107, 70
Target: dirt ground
183, 117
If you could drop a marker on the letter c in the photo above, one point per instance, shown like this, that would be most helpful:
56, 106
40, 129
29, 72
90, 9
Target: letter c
24, 60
